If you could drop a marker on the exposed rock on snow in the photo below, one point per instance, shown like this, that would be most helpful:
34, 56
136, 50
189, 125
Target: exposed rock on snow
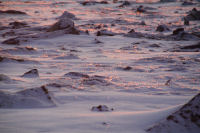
162, 28
16, 25
12, 41
95, 80
16, 59
125, 3
76, 75
20, 50
29, 98
87, 3
105, 33
101, 108
31, 74
68, 15
167, 0
187, 3
64, 23
178, 31
12, 12
189, 48
127, 68
141, 9
185, 120
178, 34
194, 14
67, 57
4, 78
96, 41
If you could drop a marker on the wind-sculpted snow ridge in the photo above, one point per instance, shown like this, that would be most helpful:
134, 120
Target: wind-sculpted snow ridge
29, 98
185, 120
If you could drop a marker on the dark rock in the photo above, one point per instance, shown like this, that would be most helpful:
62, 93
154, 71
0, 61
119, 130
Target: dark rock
97, 41
10, 33
16, 25
87, 3
162, 28
101, 108
131, 31
12, 41
67, 15
77, 75
12, 12
187, 119
125, 3
4, 77
142, 23
28, 98
178, 31
31, 74
141, 9
154, 45
186, 21
127, 68
95, 80
194, 14
186, 3
64, 24
196, 46
105, 33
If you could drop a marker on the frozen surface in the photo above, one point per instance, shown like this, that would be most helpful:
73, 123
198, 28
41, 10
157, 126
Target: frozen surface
71, 66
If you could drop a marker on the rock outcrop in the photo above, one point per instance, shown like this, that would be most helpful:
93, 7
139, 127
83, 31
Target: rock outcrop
184, 120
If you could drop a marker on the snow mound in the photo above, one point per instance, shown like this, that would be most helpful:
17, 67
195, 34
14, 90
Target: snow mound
185, 120
30, 98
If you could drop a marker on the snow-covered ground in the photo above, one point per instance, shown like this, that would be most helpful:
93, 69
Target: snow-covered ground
100, 67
